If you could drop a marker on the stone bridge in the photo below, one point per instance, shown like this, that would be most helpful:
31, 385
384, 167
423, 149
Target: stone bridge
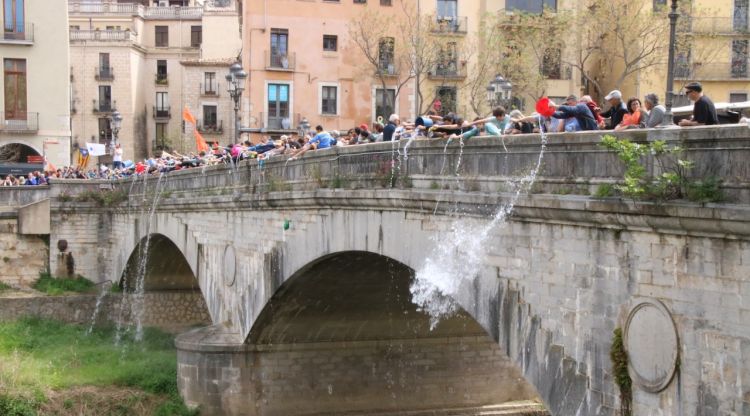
305, 268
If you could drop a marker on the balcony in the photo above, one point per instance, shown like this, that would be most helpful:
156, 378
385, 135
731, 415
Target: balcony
215, 127
112, 7
23, 37
104, 107
714, 25
162, 113
19, 123
457, 25
559, 72
104, 73
209, 90
173, 12
280, 62
719, 71
102, 35
451, 70
161, 79
386, 69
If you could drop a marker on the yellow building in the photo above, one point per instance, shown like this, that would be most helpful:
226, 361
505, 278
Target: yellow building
148, 60
34, 121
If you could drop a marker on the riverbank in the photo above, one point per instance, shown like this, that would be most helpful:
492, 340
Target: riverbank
49, 367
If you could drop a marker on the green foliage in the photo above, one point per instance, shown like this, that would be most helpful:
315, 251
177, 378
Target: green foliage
64, 197
671, 183
619, 358
605, 191
339, 181
57, 286
4, 286
434, 185
103, 198
277, 184
48, 354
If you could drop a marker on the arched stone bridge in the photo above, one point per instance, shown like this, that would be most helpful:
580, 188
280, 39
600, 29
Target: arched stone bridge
303, 264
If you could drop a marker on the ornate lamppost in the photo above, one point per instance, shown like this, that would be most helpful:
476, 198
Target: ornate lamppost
673, 15
499, 92
115, 122
235, 85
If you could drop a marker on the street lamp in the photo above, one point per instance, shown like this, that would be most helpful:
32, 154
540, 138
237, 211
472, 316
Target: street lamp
303, 127
235, 85
673, 15
115, 122
499, 91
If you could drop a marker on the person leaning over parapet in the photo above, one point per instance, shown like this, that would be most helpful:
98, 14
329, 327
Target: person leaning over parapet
704, 111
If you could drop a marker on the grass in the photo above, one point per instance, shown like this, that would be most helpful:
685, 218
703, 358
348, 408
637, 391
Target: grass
4, 287
57, 286
37, 356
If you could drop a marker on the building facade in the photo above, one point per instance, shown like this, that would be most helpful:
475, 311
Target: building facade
35, 117
149, 61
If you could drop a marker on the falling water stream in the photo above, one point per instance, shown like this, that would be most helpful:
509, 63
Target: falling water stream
458, 254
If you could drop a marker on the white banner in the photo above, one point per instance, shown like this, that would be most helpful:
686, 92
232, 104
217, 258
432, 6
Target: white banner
96, 149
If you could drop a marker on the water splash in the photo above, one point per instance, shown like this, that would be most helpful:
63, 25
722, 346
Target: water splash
458, 254
103, 291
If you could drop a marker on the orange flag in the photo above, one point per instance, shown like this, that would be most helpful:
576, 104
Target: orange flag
187, 116
200, 142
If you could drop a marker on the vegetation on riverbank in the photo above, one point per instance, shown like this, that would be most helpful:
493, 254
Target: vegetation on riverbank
47, 367
51, 285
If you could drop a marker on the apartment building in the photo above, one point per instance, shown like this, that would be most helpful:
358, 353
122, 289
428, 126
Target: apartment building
148, 60
303, 66
34, 121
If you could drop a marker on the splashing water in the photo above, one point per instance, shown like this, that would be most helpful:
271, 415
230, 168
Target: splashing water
99, 299
458, 255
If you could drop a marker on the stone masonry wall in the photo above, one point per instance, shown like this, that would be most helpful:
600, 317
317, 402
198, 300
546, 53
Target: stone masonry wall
22, 257
323, 378
162, 309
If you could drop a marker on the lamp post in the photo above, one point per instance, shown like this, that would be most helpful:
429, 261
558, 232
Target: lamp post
499, 91
235, 85
304, 127
115, 122
673, 15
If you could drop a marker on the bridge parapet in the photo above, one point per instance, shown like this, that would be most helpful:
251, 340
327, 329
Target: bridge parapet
572, 163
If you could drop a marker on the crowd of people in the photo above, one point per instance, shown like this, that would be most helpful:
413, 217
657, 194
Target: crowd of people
573, 115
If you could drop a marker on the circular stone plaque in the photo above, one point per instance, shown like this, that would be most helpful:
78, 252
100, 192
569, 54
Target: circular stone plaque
652, 345
229, 266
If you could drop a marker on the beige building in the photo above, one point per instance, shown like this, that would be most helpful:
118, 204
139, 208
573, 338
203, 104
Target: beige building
149, 60
35, 108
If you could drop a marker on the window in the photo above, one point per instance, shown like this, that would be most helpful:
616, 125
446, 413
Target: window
75, 27
279, 48
13, 23
161, 37
210, 87
385, 103
196, 36
447, 97
447, 8
105, 98
278, 105
447, 64
105, 131
530, 6
330, 43
385, 55
209, 117
737, 97
162, 105
161, 136
15, 89
385, 3
105, 71
660, 5
161, 71
740, 21
739, 58
360, 1
328, 100
551, 68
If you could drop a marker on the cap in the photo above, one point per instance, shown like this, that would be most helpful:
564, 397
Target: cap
363, 126
571, 97
614, 94
694, 86
283, 137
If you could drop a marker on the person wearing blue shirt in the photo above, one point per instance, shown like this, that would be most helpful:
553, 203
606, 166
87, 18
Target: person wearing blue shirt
581, 112
322, 140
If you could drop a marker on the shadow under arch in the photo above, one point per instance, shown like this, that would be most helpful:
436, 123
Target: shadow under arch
359, 344
173, 296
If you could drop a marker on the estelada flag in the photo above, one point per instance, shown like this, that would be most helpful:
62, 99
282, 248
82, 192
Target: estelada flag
187, 116
200, 142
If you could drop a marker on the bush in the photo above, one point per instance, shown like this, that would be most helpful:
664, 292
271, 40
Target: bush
57, 286
707, 190
4, 287
605, 191
17, 406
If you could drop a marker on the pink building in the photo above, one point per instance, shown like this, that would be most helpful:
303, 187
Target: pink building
303, 65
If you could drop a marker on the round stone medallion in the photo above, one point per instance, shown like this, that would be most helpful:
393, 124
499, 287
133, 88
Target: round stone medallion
229, 266
652, 345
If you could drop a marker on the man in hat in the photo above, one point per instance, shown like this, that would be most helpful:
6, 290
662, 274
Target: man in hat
617, 111
704, 112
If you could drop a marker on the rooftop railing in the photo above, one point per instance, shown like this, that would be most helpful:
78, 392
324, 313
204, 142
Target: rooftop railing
133, 9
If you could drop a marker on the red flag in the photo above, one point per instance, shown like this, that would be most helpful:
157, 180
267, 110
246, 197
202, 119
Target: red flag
200, 142
187, 116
